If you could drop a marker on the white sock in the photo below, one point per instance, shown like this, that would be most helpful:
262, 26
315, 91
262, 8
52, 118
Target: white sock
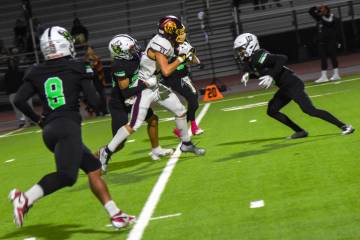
111, 208
156, 150
181, 124
119, 137
324, 74
34, 193
336, 72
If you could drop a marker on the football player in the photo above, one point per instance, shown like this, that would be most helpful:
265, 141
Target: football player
180, 82
126, 55
153, 63
271, 68
58, 82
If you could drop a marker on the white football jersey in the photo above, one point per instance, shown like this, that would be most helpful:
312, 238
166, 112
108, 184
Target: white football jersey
149, 67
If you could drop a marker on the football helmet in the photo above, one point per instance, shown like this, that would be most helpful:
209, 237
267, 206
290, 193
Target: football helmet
245, 45
123, 46
172, 29
56, 42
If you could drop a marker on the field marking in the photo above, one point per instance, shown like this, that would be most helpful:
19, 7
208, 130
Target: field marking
11, 132
10, 160
252, 121
260, 104
154, 197
130, 141
30, 238
257, 204
166, 216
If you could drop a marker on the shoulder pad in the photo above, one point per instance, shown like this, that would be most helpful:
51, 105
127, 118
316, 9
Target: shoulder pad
162, 45
118, 68
79, 65
260, 56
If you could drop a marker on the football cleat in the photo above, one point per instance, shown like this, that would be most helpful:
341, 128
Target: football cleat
104, 158
20, 204
193, 149
322, 79
301, 134
161, 153
197, 131
335, 77
347, 129
122, 220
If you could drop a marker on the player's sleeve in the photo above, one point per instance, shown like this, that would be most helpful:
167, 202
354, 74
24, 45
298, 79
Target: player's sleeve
25, 92
273, 62
161, 45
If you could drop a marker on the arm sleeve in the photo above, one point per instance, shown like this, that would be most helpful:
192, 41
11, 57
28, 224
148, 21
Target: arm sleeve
314, 13
90, 93
129, 92
23, 94
275, 63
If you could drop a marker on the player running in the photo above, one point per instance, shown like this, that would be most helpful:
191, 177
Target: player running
153, 62
58, 82
125, 69
271, 67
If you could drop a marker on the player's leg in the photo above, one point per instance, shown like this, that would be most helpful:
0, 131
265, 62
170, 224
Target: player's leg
332, 52
91, 166
153, 132
119, 118
63, 137
324, 65
306, 105
138, 113
173, 104
278, 101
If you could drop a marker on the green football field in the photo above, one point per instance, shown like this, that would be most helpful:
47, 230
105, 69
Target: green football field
306, 189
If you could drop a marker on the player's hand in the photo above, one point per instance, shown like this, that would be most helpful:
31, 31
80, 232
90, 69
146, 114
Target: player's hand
185, 51
265, 81
41, 122
245, 78
151, 82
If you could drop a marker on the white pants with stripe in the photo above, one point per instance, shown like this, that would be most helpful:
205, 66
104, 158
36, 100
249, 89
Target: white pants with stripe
161, 95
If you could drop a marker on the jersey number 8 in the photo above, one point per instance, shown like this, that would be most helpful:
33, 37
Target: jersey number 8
54, 92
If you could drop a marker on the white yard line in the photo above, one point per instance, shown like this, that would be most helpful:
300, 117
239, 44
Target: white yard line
12, 132
165, 216
10, 160
154, 197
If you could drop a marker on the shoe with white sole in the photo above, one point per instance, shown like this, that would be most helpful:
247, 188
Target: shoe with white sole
335, 77
193, 149
156, 155
347, 129
122, 220
322, 79
20, 204
104, 158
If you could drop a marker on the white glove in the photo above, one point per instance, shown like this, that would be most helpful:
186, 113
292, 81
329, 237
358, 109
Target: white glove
265, 81
245, 78
185, 51
151, 82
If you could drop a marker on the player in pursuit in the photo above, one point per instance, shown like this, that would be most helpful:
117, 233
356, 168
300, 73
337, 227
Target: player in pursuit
58, 82
153, 63
126, 55
271, 68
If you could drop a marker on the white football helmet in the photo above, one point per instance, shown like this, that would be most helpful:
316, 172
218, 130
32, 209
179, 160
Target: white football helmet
245, 45
124, 47
56, 42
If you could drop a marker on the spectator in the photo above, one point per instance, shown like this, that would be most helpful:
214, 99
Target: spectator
327, 26
13, 80
20, 34
79, 32
259, 4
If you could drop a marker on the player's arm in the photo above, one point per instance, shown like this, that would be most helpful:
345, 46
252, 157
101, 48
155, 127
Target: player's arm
166, 68
127, 92
25, 92
90, 94
275, 63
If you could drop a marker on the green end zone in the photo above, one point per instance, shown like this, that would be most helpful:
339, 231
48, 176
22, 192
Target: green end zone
309, 186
